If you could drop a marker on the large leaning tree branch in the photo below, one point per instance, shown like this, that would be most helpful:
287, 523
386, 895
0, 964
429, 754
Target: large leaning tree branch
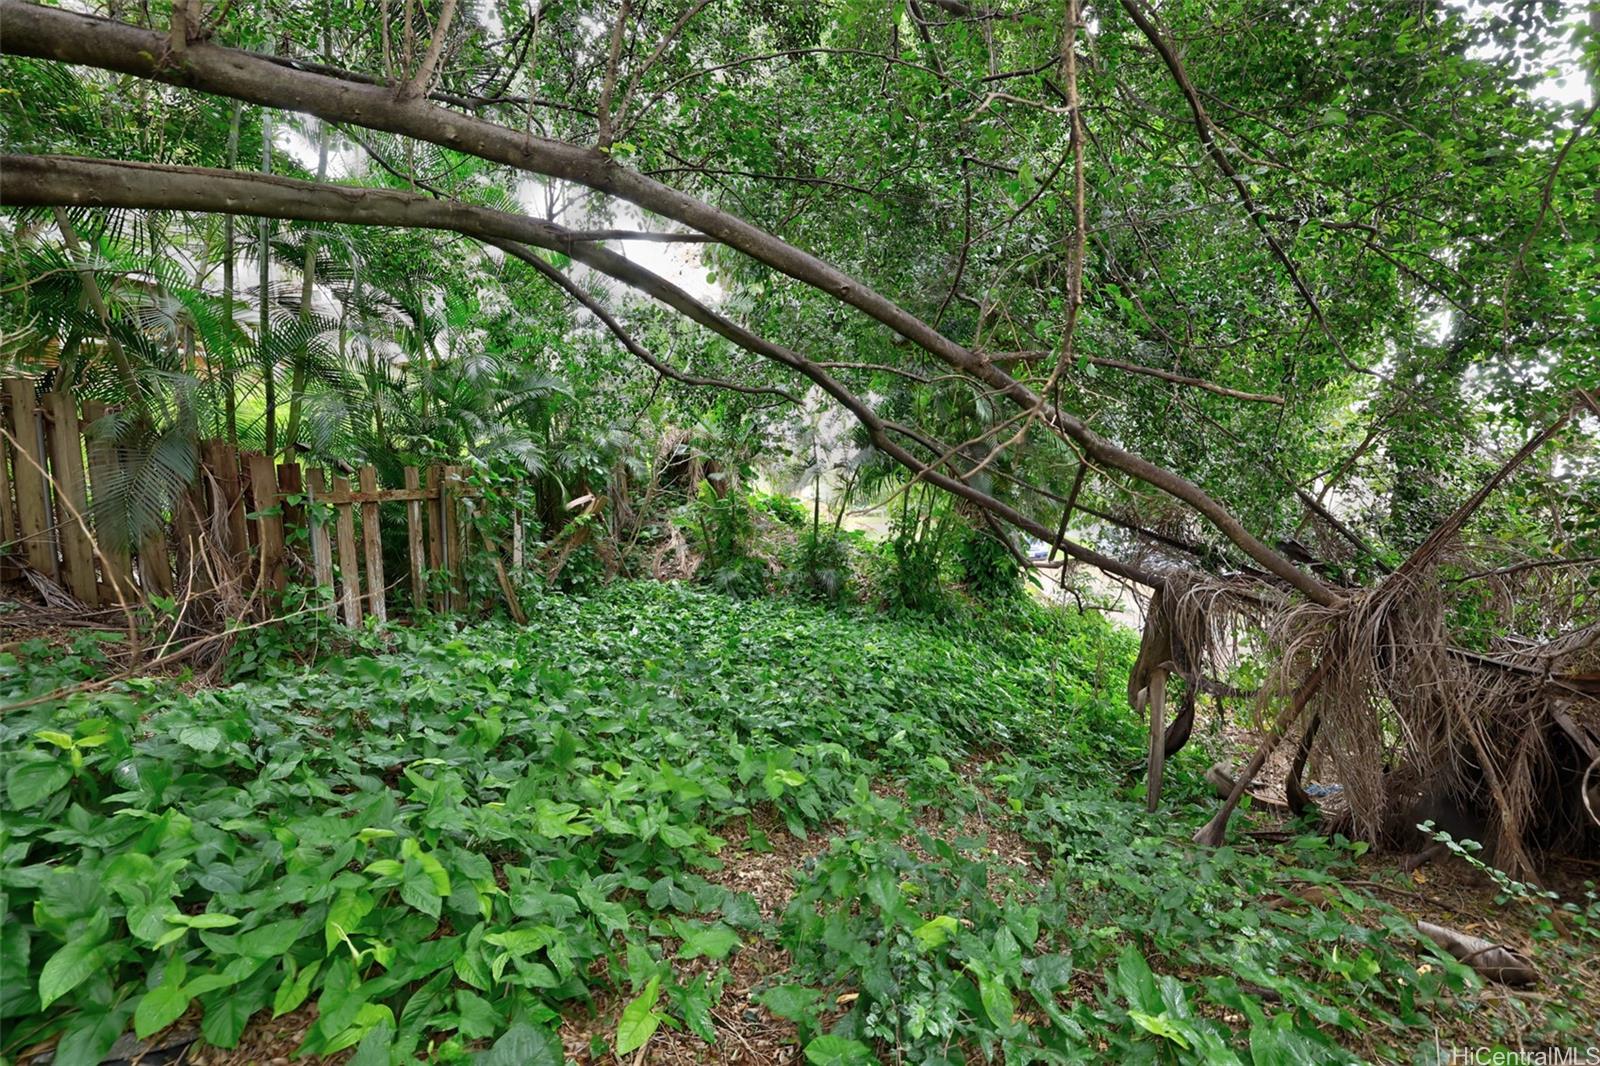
51, 181
49, 33
1036, 356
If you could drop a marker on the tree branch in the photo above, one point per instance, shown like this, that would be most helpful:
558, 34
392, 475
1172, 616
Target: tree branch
1148, 371
420, 81
56, 180
50, 33
618, 32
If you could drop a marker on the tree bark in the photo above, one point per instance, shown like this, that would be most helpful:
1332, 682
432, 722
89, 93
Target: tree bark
229, 401
269, 371
618, 31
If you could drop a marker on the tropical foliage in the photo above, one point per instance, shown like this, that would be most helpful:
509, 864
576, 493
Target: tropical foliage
448, 841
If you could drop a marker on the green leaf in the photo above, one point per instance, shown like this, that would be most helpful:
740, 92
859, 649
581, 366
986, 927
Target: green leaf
369, 1017
431, 867
203, 738
794, 1002
833, 1050
478, 1018
295, 988
418, 890
1160, 1025
1136, 983
640, 1019
996, 998
935, 931
523, 1045
560, 820
344, 914
207, 920
712, 941
70, 967
374, 1047
271, 940
694, 1001
226, 1015
1278, 1043
30, 783
90, 1035
160, 1007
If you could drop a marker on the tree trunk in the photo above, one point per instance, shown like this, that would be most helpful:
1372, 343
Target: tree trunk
264, 329
308, 283
230, 403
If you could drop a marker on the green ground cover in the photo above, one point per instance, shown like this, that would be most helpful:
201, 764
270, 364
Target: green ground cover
443, 841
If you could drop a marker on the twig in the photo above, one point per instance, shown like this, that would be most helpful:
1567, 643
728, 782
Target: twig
166, 660
618, 32
420, 81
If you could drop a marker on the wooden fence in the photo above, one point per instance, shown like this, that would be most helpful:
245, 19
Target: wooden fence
265, 518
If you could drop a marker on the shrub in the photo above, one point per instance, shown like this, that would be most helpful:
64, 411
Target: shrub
987, 568
785, 510
819, 567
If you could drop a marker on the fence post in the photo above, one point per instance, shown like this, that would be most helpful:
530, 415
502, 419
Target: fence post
321, 549
435, 483
373, 544
290, 484
8, 513
223, 462
455, 573
414, 538
72, 498
189, 529
155, 563
33, 505
349, 574
117, 563
269, 527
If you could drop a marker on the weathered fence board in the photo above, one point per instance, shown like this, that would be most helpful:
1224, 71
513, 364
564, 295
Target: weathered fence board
372, 543
414, 537
268, 522
449, 485
435, 531
349, 575
196, 559
222, 462
242, 515
28, 478
72, 497
8, 512
116, 561
155, 564
321, 546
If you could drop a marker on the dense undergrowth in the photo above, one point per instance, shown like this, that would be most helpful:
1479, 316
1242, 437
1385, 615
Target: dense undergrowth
448, 838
